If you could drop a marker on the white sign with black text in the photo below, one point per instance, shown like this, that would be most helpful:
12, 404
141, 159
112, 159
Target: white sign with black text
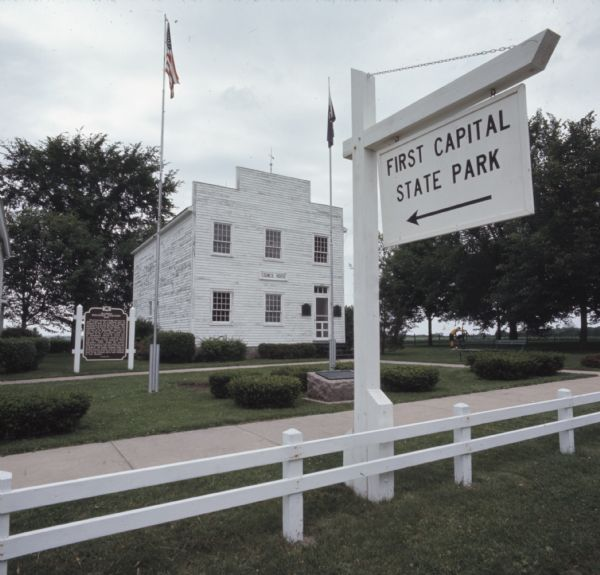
470, 170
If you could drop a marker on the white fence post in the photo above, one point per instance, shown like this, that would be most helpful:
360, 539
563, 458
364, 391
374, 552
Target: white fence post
293, 505
380, 415
78, 330
5, 487
131, 347
566, 439
462, 463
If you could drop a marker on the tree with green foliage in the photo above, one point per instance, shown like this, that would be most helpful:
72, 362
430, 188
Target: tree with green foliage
78, 205
566, 226
418, 280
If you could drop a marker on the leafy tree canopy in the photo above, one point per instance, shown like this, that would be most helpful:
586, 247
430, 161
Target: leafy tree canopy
87, 203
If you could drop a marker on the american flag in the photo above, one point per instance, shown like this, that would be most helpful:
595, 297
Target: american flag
170, 64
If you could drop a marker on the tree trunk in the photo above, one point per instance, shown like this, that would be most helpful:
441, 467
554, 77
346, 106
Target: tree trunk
513, 332
498, 328
429, 332
583, 333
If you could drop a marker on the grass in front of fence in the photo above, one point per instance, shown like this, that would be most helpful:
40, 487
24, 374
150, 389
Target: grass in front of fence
123, 408
530, 510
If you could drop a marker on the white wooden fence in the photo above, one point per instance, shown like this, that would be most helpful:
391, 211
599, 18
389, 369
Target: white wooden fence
290, 487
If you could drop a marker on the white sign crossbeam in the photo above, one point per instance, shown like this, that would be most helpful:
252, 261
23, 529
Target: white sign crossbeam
470, 170
517, 64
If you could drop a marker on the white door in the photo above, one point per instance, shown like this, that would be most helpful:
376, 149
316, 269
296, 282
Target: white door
322, 317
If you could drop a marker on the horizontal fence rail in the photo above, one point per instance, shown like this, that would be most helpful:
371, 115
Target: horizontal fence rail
294, 482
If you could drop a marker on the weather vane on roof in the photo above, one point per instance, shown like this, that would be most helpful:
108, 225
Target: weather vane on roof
271, 158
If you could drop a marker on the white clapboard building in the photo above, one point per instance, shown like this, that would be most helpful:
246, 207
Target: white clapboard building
250, 262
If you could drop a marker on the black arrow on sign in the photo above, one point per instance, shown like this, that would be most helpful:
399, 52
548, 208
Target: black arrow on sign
414, 219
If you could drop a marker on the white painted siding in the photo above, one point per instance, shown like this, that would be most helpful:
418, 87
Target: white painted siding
175, 288
261, 201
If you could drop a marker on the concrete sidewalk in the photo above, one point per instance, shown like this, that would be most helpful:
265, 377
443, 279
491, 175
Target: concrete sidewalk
121, 455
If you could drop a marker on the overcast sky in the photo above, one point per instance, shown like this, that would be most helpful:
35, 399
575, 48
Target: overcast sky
254, 74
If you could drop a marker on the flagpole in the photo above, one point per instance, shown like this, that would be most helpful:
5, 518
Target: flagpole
155, 349
331, 326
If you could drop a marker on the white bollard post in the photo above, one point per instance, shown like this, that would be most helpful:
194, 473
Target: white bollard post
462, 463
131, 347
5, 487
293, 505
78, 330
566, 439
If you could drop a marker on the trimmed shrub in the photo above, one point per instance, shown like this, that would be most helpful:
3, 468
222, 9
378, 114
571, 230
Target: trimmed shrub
259, 391
177, 346
60, 345
219, 384
221, 349
42, 347
294, 371
591, 360
286, 350
515, 365
20, 332
143, 328
18, 354
546, 363
36, 415
408, 378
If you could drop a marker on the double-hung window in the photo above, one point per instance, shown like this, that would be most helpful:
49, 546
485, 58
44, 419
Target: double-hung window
272, 308
221, 306
273, 244
321, 249
221, 238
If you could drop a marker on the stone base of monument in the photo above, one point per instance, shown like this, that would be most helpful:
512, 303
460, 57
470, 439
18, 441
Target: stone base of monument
330, 386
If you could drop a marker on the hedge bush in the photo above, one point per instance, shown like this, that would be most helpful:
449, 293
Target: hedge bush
296, 371
221, 349
408, 378
20, 332
591, 360
60, 345
219, 384
143, 328
175, 346
18, 354
515, 365
42, 347
260, 391
35, 415
286, 350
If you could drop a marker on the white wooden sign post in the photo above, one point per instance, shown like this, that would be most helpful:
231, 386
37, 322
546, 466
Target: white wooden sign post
420, 124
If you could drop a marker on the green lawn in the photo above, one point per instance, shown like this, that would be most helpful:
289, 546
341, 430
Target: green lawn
444, 354
122, 407
59, 365
530, 511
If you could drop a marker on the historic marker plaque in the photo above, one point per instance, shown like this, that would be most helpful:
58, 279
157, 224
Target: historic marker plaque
105, 334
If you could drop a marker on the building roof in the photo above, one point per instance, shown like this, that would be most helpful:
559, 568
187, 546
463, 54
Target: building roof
179, 217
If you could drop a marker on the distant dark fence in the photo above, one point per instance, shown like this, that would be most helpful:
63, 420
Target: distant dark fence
549, 342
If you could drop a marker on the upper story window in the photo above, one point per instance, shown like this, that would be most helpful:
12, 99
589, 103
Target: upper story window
273, 308
321, 248
222, 238
221, 306
273, 244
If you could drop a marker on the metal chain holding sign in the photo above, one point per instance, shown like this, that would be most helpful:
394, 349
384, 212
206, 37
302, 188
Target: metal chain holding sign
444, 61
